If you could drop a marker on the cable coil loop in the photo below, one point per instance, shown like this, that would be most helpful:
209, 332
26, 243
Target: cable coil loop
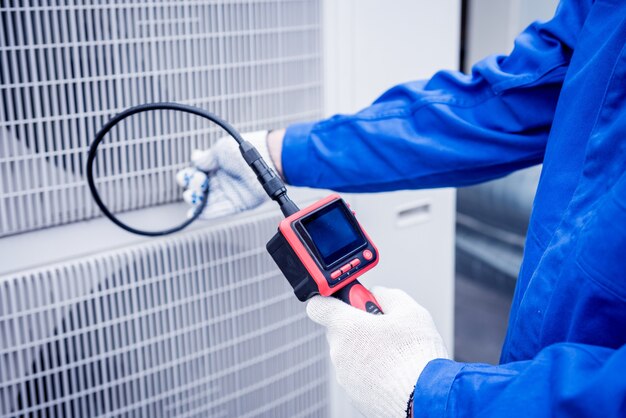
133, 111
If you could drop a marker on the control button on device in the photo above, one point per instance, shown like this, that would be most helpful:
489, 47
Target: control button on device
367, 254
335, 274
346, 268
355, 262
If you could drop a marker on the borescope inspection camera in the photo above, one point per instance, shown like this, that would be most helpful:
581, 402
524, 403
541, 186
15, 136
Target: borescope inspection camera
320, 249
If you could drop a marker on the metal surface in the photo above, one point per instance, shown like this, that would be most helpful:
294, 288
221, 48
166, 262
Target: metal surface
202, 324
492, 219
505, 203
370, 46
199, 324
67, 67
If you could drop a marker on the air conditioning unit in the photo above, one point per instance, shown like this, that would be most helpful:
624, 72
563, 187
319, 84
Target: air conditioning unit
96, 322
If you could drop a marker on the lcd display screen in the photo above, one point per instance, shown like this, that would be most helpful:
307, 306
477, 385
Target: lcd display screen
332, 233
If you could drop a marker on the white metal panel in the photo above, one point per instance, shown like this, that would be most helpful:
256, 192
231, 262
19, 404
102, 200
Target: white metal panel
413, 39
414, 232
370, 46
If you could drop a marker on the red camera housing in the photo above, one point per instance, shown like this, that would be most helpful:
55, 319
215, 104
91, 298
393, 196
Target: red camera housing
322, 248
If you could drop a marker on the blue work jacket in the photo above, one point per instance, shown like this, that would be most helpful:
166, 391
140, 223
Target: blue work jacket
559, 98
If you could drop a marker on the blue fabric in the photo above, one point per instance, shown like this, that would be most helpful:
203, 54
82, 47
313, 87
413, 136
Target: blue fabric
558, 98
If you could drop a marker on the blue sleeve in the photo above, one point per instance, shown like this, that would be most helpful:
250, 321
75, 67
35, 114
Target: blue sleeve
451, 130
563, 380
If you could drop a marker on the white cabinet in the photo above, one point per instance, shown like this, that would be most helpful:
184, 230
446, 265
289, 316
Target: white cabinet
371, 45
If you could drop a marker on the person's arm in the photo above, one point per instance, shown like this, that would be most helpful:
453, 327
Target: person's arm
563, 380
451, 130
378, 359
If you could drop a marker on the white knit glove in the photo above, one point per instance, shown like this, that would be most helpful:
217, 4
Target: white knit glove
233, 186
378, 358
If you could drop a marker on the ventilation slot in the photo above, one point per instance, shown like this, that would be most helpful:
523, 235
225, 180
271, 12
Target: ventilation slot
67, 67
199, 325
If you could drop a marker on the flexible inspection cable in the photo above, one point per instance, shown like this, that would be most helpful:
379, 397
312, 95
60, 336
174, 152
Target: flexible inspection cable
271, 182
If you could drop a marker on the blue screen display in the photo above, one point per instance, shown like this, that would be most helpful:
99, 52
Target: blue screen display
332, 233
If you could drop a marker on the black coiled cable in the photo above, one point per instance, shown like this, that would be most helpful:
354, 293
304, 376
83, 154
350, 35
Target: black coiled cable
271, 183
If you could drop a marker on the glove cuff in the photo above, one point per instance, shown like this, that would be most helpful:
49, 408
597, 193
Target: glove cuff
259, 140
379, 396
409, 405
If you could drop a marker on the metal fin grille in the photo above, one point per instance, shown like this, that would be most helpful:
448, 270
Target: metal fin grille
66, 66
202, 324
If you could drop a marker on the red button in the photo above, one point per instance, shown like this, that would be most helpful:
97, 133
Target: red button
355, 262
367, 254
335, 274
346, 268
